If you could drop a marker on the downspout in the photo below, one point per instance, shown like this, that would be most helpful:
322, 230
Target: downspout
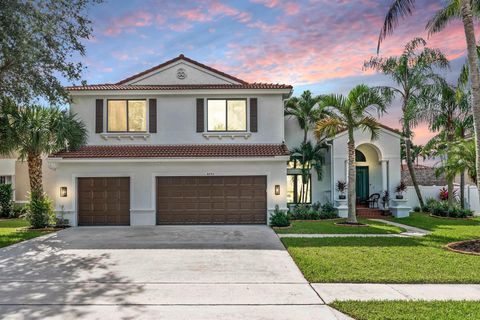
332, 183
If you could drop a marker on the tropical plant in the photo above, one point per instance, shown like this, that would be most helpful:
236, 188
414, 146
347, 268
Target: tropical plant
351, 112
33, 132
417, 86
309, 157
465, 10
341, 187
40, 211
306, 110
279, 218
6, 200
400, 189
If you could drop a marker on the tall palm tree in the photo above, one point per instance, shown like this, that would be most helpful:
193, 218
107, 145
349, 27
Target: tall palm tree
417, 86
351, 112
309, 156
34, 131
306, 110
465, 10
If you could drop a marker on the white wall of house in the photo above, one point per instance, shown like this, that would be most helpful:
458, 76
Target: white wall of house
142, 178
176, 119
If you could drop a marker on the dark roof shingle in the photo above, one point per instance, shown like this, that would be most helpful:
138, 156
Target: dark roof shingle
176, 151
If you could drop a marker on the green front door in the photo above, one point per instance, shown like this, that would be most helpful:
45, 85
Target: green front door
362, 184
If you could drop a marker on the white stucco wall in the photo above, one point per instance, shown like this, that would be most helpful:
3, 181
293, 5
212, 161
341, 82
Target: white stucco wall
176, 118
142, 178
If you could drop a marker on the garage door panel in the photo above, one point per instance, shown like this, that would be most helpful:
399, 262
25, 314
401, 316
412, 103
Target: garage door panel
104, 201
217, 199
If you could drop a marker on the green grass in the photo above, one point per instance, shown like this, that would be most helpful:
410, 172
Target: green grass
328, 226
391, 260
9, 234
410, 310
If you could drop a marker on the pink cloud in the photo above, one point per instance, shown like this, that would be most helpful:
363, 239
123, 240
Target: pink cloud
128, 21
214, 9
121, 56
289, 8
194, 15
180, 27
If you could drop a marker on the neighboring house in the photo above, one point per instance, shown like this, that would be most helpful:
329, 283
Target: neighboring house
183, 143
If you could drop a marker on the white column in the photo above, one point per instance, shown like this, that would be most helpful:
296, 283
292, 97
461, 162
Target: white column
384, 175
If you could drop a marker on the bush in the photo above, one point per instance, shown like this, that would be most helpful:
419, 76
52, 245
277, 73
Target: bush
315, 211
441, 209
279, 218
40, 210
429, 203
6, 200
417, 209
19, 211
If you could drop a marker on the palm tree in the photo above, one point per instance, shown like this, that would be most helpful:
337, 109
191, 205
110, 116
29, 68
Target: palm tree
306, 110
417, 86
351, 112
309, 156
34, 131
462, 159
455, 9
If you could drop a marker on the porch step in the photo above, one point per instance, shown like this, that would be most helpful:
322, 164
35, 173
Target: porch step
366, 212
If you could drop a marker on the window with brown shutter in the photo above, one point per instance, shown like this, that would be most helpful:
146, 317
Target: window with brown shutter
200, 115
98, 115
253, 115
152, 115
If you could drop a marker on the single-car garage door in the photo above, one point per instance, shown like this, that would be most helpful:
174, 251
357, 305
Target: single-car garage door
104, 201
211, 200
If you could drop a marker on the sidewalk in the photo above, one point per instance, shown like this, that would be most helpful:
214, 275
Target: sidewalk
329, 292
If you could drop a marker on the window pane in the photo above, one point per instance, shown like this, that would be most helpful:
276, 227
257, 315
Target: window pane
290, 189
216, 113
117, 115
307, 191
137, 115
237, 115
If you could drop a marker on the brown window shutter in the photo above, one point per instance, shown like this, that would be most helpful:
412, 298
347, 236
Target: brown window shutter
152, 115
200, 115
253, 115
98, 115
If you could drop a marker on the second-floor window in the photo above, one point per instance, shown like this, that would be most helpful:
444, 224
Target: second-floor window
227, 115
127, 116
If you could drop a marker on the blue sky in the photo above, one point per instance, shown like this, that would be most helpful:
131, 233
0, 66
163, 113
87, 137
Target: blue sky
318, 45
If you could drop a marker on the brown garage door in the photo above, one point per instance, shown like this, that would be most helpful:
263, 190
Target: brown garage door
205, 200
104, 201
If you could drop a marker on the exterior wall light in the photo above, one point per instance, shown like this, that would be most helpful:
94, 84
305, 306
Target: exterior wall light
63, 192
277, 189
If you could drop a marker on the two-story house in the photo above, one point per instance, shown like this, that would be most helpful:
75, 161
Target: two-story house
178, 143
183, 143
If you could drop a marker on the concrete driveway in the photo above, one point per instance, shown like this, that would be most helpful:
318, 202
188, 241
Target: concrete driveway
162, 272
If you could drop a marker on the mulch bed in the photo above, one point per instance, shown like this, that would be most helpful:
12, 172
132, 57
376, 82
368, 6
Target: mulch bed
468, 247
350, 224
47, 229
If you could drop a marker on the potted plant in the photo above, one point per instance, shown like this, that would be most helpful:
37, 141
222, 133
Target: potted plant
400, 189
385, 199
341, 188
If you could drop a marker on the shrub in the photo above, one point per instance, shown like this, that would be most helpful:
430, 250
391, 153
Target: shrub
6, 200
18, 211
428, 204
40, 210
328, 211
441, 209
417, 209
279, 218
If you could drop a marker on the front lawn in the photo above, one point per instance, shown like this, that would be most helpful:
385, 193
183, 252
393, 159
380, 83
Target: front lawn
407, 310
328, 226
391, 260
9, 234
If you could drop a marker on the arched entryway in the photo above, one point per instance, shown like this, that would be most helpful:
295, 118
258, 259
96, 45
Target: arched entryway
369, 176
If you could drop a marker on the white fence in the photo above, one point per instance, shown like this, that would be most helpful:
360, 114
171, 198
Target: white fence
471, 196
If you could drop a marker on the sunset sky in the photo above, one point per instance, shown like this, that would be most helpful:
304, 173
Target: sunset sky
318, 45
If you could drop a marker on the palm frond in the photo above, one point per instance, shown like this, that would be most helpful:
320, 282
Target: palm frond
370, 124
443, 16
328, 127
399, 9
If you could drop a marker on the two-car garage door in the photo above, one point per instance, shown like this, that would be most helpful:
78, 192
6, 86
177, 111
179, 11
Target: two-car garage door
179, 200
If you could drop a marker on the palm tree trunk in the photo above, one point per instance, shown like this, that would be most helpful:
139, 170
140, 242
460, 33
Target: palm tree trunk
352, 214
462, 190
408, 145
35, 172
467, 19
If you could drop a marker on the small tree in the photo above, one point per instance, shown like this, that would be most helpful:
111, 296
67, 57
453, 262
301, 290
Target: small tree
6, 200
350, 113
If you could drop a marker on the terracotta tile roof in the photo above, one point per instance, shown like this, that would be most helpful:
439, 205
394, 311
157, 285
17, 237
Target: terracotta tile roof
181, 57
176, 151
109, 86
381, 126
